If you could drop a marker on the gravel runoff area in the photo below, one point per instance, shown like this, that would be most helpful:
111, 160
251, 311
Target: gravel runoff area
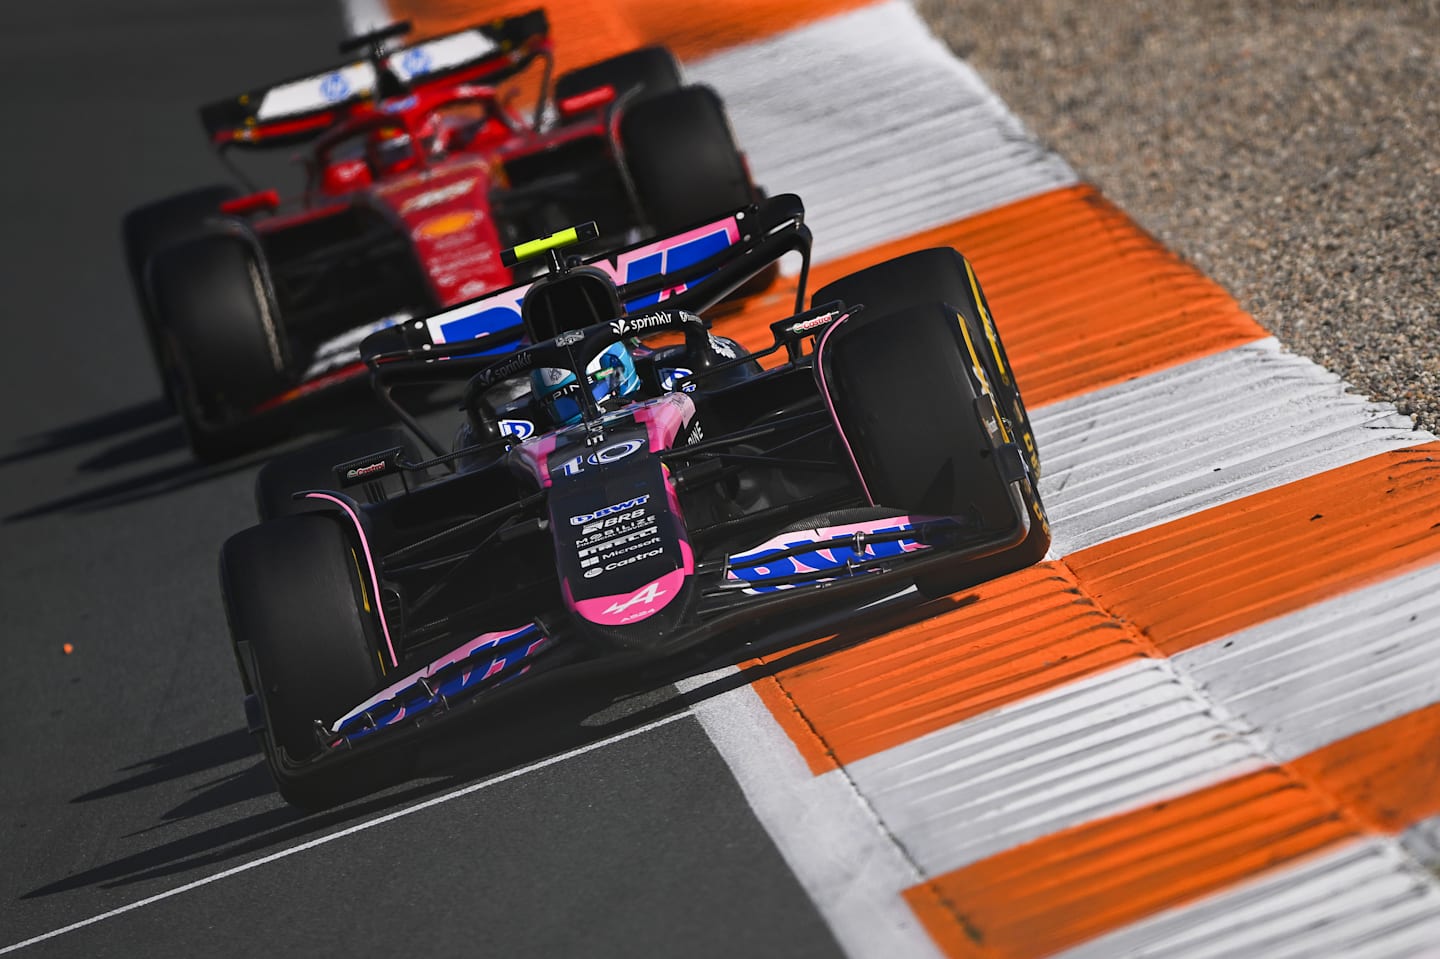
1291, 150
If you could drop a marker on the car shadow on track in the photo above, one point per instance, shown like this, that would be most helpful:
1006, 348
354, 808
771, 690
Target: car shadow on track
149, 435
589, 716
611, 710
90, 430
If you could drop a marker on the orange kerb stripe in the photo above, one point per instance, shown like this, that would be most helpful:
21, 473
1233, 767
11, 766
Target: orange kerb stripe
1065, 889
1083, 297
590, 30
1208, 575
1062, 890
1387, 777
1009, 639
1155, 592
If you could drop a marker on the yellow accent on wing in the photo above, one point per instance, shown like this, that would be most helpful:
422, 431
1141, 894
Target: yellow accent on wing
567, 236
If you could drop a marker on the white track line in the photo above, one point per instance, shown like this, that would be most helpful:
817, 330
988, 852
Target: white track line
348, 831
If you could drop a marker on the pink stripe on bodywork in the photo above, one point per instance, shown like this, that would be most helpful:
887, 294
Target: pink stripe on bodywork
369, 564
664, 418
825, 395
535, 454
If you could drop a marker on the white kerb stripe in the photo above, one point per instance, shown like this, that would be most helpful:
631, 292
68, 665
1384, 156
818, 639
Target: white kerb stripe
877, 126
363, 16
1102, 745
1332, 670
1185, 439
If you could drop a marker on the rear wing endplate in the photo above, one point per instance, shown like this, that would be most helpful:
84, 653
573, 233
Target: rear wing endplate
297, 110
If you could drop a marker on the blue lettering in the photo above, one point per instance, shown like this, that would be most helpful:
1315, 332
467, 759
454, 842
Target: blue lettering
481, 323
639, 269
821, 560
675, 258
756, 574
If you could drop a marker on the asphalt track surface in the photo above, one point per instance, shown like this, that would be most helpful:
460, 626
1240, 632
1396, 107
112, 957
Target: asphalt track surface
125, 770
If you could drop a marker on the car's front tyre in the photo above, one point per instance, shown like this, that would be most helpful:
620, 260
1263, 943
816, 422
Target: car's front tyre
303, 618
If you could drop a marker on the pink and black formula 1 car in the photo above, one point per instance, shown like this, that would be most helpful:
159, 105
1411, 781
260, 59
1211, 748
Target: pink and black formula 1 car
418, 173
661, 503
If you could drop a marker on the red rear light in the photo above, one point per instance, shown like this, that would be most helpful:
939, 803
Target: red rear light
589, 100
245, 205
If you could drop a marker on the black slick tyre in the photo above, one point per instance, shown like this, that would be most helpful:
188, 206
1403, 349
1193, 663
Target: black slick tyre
648, 71
942, 275
296, 594
147, 230
682, 159
313, 468
224, 343
886, 375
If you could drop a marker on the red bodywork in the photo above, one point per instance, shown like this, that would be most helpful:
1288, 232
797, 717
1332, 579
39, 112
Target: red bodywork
429, 165
440, 189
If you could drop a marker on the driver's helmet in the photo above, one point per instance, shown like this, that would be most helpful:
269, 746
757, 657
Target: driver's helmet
391, 151
612, 378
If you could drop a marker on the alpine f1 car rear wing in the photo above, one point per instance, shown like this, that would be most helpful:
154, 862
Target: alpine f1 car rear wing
688, 272
294, 111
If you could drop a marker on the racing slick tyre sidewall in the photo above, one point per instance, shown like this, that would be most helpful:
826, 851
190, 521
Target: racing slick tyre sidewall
682, 159
147, 230
296, 600
313, 468
224, 343
650, 69
887, 385
940, 275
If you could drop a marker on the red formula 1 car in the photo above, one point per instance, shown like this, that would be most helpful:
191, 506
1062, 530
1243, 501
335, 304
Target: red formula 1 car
418, 173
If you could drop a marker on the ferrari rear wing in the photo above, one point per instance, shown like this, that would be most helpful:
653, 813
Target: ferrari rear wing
294, 111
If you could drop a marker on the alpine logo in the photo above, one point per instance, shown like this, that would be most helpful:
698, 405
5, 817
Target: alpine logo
645, 597
584, 518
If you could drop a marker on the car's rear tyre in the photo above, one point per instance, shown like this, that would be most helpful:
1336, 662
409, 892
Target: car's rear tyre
942, 275
650, 70
297, 596
224, 344
313, 468
886, 375
147, 230
682, 159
